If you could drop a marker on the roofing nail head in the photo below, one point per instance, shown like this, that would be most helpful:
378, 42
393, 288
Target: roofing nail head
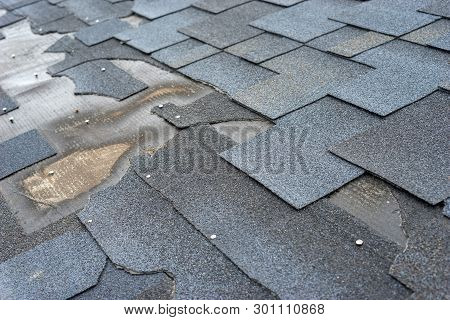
160, 106
213, 236
89, 221
36, 75
86, 121
11, 120
148, 176
4, 109
103, 69
13, 56
177, 117
50, 173
359, 242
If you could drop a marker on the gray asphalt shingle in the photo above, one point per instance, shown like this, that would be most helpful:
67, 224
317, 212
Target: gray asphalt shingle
226, 72
103, 78
184, 53
349, 41
212, 108
435, 34
217, 6
7, 104
14, 4
153, 9
57, 269
262, 47
23, 151
415, 139
161, 33
41, 12
102, 31
140, 230
306, 76
304, 21
292, 158
68, 24
93, 11
437, 7
9, 18
390, 17
231, 26
298, 254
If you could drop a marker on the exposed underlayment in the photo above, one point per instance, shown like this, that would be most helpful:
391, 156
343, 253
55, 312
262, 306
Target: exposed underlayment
316, 169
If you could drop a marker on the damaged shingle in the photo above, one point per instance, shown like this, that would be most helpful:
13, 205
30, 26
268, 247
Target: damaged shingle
102, 31
435, 34
77, 53
93, 11
424, 265
9, 18
140, 230
415, 140
7, 104
15, 4
213, 108
226, 72
67, 24
307, 254
292, 159
349, 41
116, 284
103, 78
306, 75
42, 12
57, 269
161, 33
262, 47
153, 9
23, 151
184, 53
304, 21
231, 26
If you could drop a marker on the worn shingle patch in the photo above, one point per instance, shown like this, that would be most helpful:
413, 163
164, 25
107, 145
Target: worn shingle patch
212, 108
9, 18
415, 140
226, 72
390, 17
77, 53
435, 34
23, 151
116, 284
56, 269
103, 78
262, 47
217, 6
231, 26
101, 31
298, 254
349, 41
162, 32
67, 24
292, 159
140, 230
304, 21
14, 4
42, 12
306, 76
153, 9
7, 103
93, 11
424, 266
184, 53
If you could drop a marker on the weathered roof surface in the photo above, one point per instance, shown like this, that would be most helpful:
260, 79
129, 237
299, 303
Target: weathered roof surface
314, 168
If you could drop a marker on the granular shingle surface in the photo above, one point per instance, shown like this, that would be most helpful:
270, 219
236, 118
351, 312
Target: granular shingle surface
117, 284
23, 151
435, 34
262, 47
292, 159
93, 11
306, 75
14, 4
141, 231
153, 9
57, 269
103, 78
67, 24
437, 7
231, 26
297, 254
184, 53
227, 72
390, 17
217, 6
212, 108
9, 18
304, 21
42, 12
101, 31
161, 33
415, 140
